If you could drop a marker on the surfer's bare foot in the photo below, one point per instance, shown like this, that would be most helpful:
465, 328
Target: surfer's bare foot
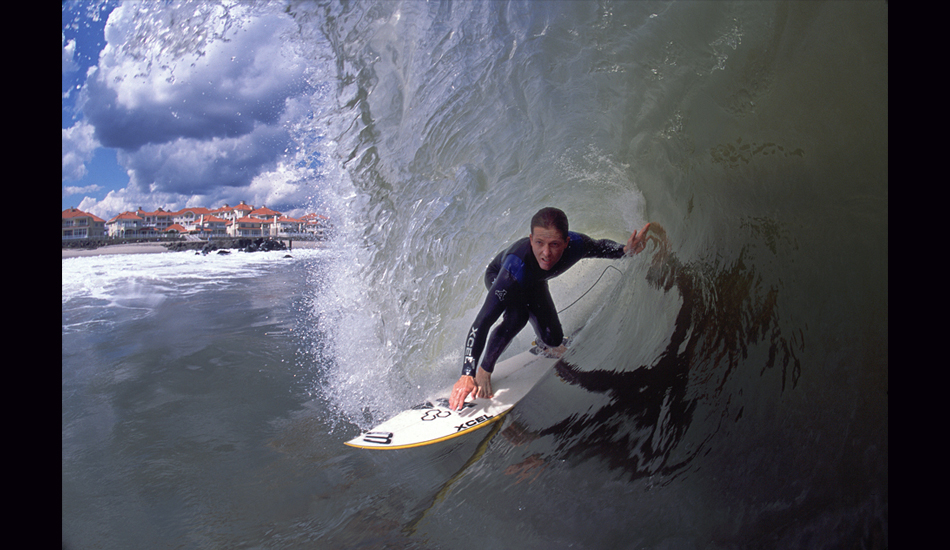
554, 353
483, 383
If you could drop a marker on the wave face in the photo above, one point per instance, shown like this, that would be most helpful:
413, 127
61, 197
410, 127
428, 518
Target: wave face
739, 364
725, 388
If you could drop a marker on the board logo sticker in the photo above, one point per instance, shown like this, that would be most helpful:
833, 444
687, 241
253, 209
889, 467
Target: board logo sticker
440, 402
433, 414
474, 422
380, 438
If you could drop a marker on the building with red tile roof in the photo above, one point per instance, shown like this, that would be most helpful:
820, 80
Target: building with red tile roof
176, 228
242, 220
210, 225
246, 227
316, 226
263, 213
159, 220
126, 224
82, 225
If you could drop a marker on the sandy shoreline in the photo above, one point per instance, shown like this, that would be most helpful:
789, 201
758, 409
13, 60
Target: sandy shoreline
137, 248
151, 248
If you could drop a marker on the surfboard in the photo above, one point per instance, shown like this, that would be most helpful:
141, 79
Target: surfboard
432, 421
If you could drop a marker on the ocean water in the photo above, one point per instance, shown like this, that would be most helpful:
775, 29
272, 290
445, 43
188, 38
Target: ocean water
727, 388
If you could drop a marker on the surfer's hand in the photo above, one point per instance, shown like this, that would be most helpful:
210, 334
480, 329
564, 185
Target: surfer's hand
637, 241
483, 384
460, 391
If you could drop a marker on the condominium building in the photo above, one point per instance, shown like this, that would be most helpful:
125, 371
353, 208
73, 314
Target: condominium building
82, 225
242, 220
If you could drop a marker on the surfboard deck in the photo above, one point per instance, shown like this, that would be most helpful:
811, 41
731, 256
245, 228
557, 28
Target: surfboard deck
433, 421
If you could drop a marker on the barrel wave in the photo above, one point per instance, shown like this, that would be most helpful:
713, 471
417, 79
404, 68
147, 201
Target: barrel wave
725, 388
730, 381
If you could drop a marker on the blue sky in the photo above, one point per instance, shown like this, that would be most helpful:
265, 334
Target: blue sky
190, 104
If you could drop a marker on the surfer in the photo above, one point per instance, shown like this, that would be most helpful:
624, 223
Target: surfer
517, 281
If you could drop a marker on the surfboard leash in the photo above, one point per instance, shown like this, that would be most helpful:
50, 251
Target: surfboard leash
591, 287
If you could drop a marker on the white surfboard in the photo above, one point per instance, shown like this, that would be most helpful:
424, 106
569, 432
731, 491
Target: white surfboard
433, 421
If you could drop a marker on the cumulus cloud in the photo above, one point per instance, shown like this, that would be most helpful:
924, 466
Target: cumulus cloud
136, 98
69, 55
114, 202
193, 96
283, 189
189, 165
127, 199
69, 190
280, 189
79, 145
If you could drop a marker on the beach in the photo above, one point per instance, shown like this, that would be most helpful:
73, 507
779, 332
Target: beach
152, 248
137, 248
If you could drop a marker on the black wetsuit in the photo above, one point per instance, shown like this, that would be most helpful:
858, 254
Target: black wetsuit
518, 287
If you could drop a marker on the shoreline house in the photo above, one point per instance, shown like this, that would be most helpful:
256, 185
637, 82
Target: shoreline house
316, 226
82, 225
124, 225
242, 220
156, 222
246, 227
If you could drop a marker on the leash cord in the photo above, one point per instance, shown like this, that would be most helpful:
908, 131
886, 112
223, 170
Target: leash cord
591, 287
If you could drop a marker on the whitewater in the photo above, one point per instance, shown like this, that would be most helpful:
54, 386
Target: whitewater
726, 388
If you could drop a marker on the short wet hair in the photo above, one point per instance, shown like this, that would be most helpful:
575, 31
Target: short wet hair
550, 218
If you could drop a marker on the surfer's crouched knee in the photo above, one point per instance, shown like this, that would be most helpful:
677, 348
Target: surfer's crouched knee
552, 339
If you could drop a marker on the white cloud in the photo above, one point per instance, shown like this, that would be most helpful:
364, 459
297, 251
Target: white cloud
73, 190
69, 55
124, 200
141, 94
189, 165
286, 189
79, 145
199, 100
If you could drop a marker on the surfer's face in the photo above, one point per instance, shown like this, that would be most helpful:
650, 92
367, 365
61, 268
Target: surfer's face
548, 245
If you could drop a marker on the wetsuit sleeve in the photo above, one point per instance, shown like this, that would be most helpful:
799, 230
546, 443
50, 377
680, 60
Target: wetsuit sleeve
503, 286
603, 248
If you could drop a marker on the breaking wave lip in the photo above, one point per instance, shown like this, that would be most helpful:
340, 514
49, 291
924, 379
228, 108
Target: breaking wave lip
424, 181
410, 282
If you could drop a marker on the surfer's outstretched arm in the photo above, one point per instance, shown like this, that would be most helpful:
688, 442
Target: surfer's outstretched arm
637, 241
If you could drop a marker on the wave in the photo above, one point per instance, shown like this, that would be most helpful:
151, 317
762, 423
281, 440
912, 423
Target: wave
762, 165
733, 375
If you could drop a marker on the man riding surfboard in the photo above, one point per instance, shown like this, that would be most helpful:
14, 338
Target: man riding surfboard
517, 287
